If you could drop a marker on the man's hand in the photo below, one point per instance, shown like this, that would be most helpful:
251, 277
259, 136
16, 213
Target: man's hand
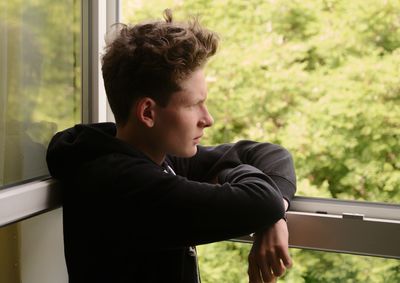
269, 256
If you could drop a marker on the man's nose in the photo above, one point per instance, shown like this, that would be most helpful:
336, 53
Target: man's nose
210, 120
207, 120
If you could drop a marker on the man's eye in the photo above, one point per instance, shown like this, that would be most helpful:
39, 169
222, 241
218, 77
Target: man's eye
197, 104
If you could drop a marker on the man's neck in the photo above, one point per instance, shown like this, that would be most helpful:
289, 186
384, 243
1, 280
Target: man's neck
140, 141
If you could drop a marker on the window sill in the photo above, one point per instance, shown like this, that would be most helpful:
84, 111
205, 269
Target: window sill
24, 201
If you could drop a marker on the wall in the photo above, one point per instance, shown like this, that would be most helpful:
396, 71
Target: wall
42, 250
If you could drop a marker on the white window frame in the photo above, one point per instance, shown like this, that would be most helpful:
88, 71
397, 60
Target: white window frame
97, 17
30, 198
353, 227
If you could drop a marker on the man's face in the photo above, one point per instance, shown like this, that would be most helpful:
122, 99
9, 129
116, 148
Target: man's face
181, 123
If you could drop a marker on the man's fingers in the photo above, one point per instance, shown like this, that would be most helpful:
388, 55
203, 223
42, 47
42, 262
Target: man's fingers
270, 256
265, 269
276, 264
253, 271
285, 257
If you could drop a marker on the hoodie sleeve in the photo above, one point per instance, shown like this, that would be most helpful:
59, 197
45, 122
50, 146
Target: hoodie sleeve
273, 160
174, 211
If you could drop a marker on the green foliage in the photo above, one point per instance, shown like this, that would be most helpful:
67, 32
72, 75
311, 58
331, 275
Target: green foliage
43, 73
349, 137
230, 268
40, 87
320, 77
348, 269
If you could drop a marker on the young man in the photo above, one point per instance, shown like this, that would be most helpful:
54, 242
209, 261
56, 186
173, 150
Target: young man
141, 194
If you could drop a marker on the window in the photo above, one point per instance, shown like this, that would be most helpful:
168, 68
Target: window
320, 78
40, 75
40, 93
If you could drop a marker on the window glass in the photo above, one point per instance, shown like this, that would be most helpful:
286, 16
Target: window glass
40, 82
319, 77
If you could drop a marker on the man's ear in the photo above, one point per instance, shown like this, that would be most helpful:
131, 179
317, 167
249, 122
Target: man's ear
145, 111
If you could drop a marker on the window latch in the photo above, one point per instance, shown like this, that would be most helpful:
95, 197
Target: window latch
354, 216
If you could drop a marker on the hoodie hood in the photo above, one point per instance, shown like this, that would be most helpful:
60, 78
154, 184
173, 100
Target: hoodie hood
73, 147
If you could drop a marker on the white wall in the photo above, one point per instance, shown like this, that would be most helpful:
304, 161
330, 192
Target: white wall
42, 250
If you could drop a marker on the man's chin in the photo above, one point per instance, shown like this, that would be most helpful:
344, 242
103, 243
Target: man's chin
187, 153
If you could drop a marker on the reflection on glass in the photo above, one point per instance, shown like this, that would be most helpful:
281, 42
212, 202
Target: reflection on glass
319, 77
40, 81
227, 262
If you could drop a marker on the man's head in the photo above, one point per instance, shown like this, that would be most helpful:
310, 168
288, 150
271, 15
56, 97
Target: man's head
154, 80
151, 60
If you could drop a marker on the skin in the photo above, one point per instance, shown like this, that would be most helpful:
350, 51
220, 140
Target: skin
180, 126
269, 256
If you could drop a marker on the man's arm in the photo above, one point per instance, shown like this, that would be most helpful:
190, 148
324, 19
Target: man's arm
188, 212
273, 160
269, 256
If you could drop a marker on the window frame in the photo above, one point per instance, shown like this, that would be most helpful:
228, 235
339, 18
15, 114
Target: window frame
354, 227
32, 197
342, 226
97, 17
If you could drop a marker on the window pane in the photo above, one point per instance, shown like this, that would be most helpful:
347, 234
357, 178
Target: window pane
40, 79
320, 78
227, 262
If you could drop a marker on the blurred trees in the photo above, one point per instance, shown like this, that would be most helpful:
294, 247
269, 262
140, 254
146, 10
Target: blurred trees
320, 77
42, 63
40, 88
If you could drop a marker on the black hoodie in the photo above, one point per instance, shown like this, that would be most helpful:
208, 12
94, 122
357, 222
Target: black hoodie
128, 219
